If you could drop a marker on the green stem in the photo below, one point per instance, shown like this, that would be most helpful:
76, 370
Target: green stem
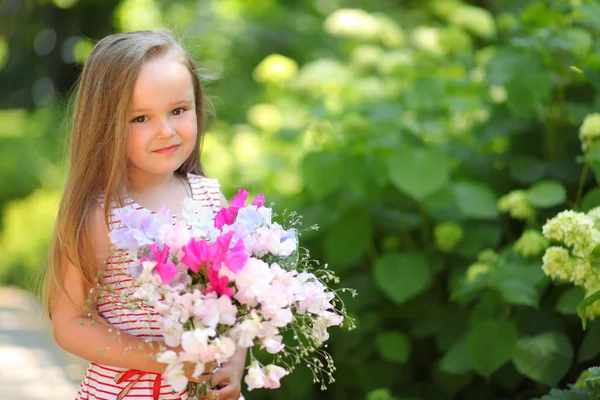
582, 179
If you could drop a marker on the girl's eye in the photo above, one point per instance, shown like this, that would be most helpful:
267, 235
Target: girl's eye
178, 111
141, 118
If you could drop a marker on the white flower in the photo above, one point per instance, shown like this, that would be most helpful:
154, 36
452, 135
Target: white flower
267, 329
273, 374
282, 317
245, 332
147, 292
276, 297
199, 218
172, 331
161, 308
251, 217
147, 268
226, 348
313, 298
196, 347
207, 311
255, 378
198, 370
320, 329
274, 240
332, 319
167, 357
175, 235
253, 280
273, 344
227, 311
175, 376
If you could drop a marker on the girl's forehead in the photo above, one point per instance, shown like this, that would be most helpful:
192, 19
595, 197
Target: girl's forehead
163, 80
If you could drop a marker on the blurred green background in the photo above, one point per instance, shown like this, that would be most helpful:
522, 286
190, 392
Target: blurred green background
430, 140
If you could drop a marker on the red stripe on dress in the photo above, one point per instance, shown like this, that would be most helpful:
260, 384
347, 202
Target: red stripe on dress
168, 387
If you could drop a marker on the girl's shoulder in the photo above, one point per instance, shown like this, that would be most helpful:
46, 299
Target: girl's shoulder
201, 182
207, 189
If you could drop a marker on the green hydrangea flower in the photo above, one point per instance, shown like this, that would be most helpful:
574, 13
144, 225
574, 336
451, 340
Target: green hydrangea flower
448, 235
476, 270
593, 310
557, 263
488, 256
517, 205
531, 243
589, 132
576, 230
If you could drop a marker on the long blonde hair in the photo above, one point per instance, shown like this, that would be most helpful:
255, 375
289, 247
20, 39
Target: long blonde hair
98, 148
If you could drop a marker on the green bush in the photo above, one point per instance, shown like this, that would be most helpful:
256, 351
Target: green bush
431, 142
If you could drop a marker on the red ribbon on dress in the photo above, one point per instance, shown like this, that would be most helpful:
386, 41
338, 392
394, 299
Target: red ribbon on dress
128, 376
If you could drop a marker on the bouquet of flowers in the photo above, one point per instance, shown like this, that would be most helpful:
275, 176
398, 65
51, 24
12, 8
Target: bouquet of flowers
234, 279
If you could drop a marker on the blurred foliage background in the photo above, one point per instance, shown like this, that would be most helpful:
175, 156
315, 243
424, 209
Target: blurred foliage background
429, 139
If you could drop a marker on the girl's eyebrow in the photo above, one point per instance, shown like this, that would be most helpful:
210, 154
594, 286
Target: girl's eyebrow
138, 110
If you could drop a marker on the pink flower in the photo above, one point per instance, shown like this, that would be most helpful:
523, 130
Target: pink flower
226, 216
213, 258
197, 253
166, 270
234, 260
273, 373
255, 378
252, 281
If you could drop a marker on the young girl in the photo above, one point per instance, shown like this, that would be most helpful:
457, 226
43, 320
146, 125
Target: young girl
137, 131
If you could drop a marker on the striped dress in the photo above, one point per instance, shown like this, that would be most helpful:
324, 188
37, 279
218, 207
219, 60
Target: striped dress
99, 381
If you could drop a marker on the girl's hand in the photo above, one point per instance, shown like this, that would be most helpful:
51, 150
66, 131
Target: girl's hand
227, 380
227, 383
189, 371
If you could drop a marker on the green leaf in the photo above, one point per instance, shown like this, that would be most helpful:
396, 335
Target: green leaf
393, 346
527, 90
456, 360
476, 200
584, 304
590, 13
504, 65
571, 394
478, 236
489, 307
402, 276
380, 394
547, 194
532, 322
367, 179
519, 293
568, 301
418, 172
590, 347
321, 173
592, 374
348, 239
544, 358
591, 200
442, 205
451, 384
526, 169
517, 282
490, 344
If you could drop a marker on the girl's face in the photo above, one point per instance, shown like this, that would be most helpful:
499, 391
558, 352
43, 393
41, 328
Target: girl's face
162, 118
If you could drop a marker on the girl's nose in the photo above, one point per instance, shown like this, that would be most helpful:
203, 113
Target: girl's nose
166, 129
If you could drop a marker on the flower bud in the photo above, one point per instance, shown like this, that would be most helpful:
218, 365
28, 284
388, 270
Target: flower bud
531, 243
448, 235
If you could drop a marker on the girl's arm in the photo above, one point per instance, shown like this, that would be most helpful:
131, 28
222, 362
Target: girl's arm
96, 341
